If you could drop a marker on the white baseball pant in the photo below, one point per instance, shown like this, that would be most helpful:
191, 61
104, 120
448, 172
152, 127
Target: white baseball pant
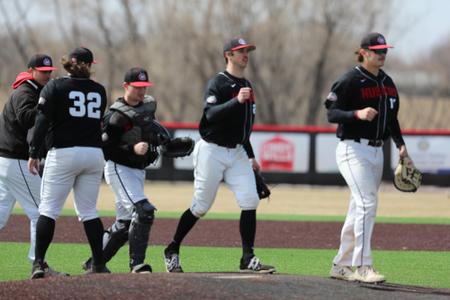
18, 184
212, 164
80, 168
361, 166
128, 186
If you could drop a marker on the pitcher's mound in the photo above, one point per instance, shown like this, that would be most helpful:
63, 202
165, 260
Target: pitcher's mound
206, 286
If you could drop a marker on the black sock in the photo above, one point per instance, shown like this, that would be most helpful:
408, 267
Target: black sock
187, 221
94, 234
247, 228
45, 229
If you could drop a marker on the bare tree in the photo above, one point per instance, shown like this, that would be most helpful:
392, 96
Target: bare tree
14, 34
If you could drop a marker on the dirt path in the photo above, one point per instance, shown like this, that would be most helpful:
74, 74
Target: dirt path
271, 234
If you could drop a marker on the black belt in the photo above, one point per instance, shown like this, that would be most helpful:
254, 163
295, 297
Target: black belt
373, 143
226, 145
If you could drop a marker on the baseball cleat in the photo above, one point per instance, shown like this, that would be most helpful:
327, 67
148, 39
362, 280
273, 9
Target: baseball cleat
368, 274
87, 264
97, 269
254, 266
49, 272
38, 270
141, 269
342, 273
172, 262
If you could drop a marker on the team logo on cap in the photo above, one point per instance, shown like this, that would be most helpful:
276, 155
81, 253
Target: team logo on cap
242, 42
332, 96
142, 76
211, 99
381, 40
47, 62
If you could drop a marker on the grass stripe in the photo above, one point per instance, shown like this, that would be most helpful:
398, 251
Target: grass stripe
404, 267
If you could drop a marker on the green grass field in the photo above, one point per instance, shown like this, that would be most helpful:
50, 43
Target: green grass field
425, 268
406, 267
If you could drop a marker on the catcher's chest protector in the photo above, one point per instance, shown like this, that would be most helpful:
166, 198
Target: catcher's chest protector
140, 116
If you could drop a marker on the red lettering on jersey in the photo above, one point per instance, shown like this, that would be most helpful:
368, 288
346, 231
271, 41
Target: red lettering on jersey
375, 92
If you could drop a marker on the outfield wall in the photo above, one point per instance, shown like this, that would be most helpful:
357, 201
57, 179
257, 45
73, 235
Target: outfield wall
306, 155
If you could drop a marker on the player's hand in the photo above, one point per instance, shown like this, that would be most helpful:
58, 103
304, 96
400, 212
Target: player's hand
33, 166
140, 148
245, 93
366, 114
255, 164
403, 152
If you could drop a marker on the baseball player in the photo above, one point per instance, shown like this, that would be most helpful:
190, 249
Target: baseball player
130, 146
364, 102
16, 183
225, 153
70, 110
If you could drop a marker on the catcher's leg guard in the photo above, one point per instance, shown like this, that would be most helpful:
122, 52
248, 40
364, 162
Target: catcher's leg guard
143, 216
113, 239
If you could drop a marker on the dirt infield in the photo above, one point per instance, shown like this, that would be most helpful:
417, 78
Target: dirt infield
207, 286
270, 234
276, 234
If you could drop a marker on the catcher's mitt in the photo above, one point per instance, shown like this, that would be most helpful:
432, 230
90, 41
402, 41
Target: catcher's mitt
406, 177
178, 147
261, 186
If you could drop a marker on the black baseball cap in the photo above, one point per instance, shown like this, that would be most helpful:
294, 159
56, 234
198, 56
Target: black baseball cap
82, 54
41, 62
137, 77
236, 44
374, 41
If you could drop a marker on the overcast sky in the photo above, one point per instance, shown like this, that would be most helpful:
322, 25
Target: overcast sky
429, 23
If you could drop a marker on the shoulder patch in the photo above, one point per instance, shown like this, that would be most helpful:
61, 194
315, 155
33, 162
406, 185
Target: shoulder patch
42, 101
211, 99
332, 96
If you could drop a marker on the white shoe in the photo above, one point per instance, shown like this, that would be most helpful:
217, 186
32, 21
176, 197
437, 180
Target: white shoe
342, 273
368, 274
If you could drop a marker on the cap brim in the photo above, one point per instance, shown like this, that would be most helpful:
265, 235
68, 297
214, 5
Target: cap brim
248, 46
45, 68
141, 83
380, 47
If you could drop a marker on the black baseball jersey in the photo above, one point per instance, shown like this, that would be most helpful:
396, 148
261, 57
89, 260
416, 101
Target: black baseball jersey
72, 110
17, 118
358, 89
122, 130
225, 121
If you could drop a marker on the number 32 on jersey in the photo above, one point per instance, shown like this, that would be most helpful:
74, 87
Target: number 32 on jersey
85, 105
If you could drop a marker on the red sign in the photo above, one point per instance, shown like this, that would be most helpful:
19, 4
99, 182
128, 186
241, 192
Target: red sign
277, 154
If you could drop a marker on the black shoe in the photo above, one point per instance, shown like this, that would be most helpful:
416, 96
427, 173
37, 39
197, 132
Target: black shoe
97, 269
38, 270
49, 272
253, 265
172, 262
142, 269
87, 264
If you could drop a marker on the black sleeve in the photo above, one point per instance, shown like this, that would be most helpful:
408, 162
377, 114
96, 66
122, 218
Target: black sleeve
40, 130
26, 109
115, 125
45, 111
249, 149
336, 102
214, 109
